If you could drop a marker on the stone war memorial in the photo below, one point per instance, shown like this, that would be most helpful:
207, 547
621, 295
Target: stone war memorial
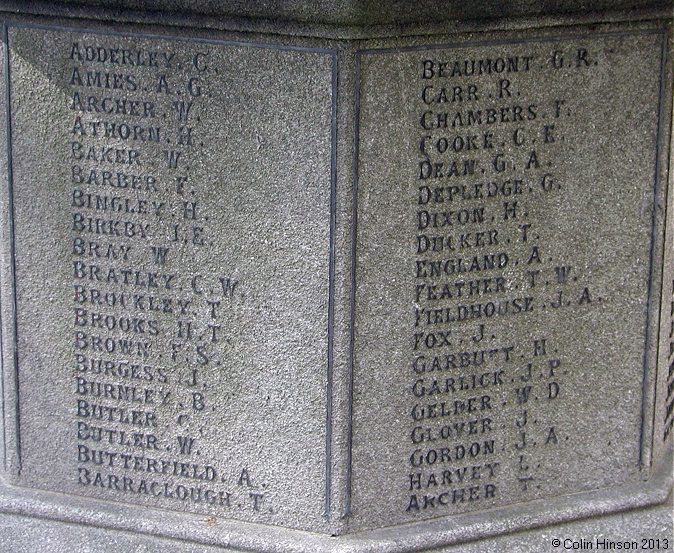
336, 277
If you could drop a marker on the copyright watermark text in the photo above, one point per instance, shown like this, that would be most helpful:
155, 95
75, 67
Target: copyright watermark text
602, 543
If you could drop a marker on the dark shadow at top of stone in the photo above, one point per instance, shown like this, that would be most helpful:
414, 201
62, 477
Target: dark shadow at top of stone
376, 12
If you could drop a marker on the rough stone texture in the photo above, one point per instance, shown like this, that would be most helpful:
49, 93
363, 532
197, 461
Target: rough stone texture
253, 261
25, 534
586, 190
272, 169
663, 414
3, 171
371, 12
429, 536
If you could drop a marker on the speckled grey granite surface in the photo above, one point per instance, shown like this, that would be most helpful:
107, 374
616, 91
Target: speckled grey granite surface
370, 12
269, 291
29, 534
206, 363
488, 257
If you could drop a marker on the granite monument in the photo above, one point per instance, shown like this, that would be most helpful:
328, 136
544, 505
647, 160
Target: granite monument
336, 278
